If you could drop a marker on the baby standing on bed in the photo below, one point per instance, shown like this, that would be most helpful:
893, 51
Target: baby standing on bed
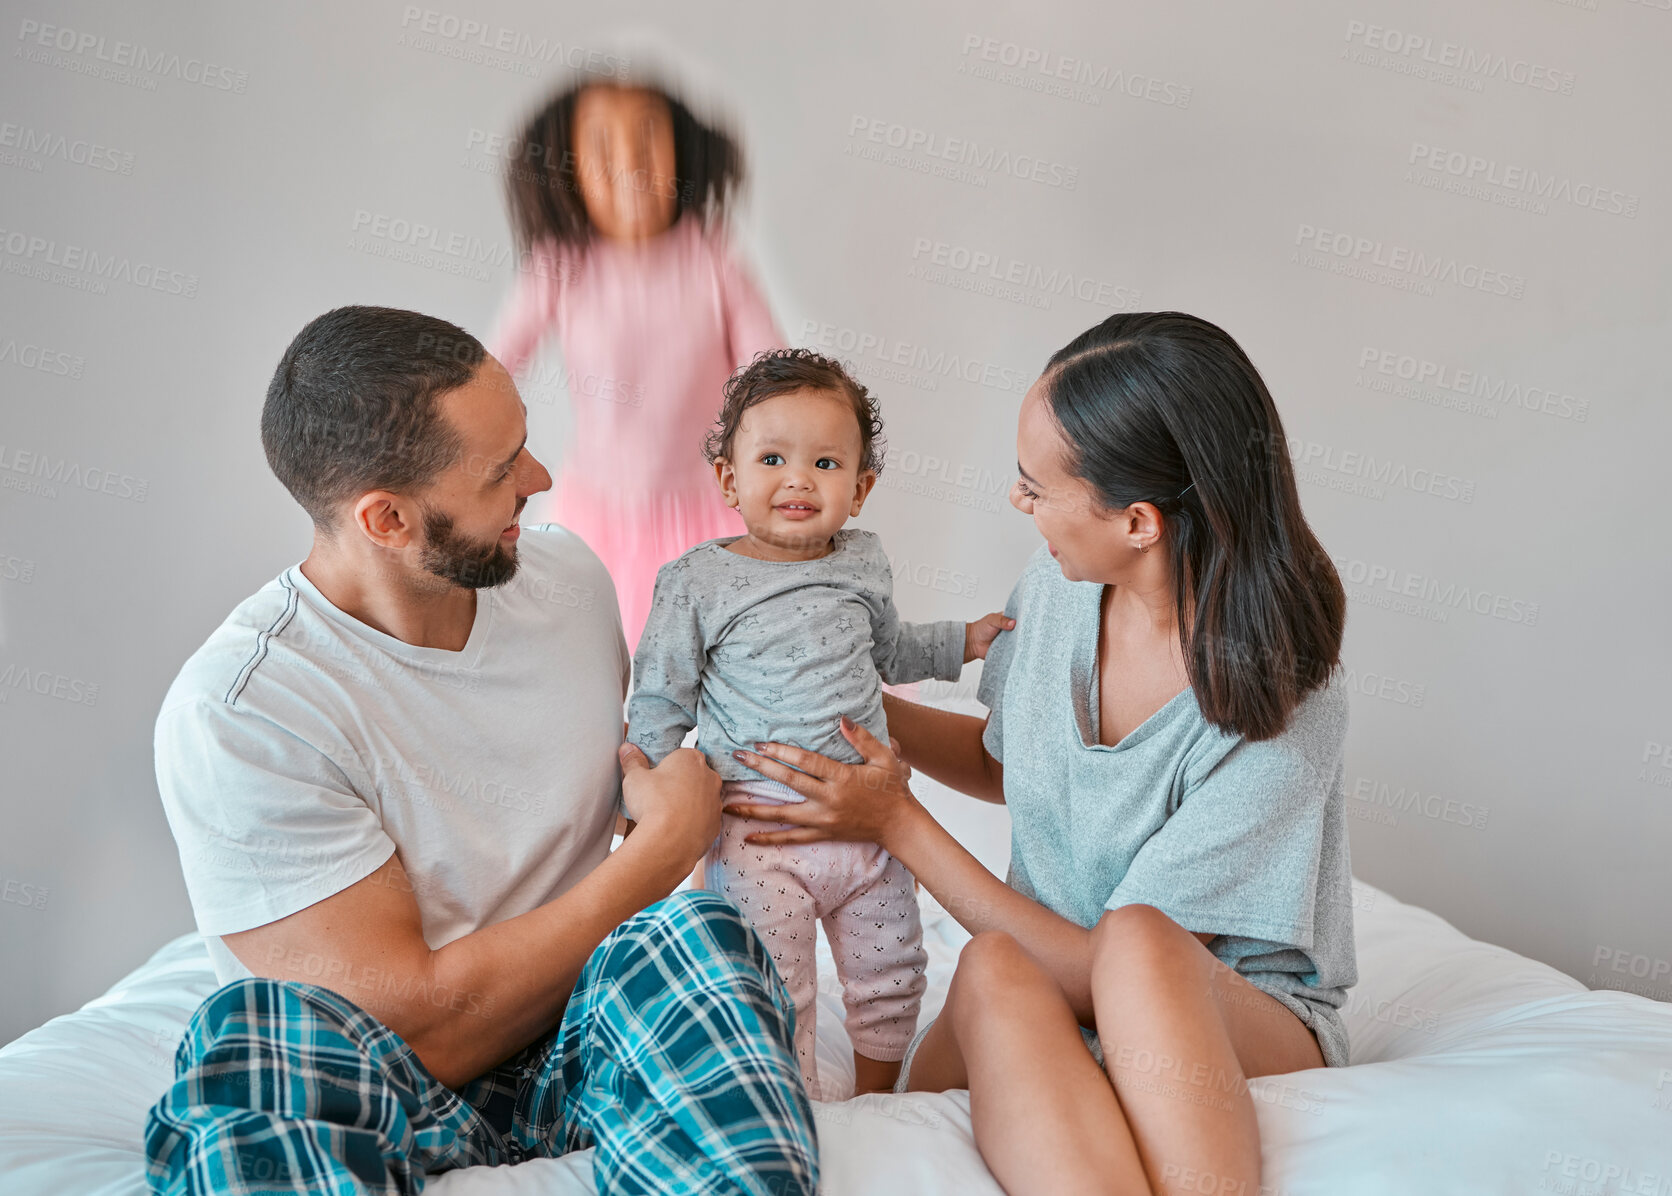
774, 635
618, 196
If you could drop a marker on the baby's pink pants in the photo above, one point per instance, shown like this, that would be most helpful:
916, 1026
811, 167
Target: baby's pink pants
868, 904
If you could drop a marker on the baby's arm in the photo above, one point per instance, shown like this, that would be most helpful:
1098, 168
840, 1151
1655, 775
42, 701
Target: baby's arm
667, 669
906, 652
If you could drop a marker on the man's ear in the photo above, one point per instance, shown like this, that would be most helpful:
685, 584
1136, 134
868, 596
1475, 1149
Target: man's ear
862, 490
387, 520
726, 476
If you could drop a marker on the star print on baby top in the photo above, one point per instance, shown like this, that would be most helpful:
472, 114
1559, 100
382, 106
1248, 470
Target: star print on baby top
754, 651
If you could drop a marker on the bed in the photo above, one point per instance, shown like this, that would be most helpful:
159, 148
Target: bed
1475, 1070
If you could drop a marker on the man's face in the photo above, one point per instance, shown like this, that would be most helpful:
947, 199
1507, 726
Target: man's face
470, 511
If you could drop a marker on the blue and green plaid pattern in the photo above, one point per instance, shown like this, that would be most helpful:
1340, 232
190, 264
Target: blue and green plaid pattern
674, 1059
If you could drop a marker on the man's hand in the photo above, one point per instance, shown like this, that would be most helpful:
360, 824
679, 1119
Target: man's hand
979, 635
676, 803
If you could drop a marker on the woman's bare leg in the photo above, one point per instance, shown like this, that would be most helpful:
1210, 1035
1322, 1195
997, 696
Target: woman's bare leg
874, 1075
1046, 1119
1180, 1034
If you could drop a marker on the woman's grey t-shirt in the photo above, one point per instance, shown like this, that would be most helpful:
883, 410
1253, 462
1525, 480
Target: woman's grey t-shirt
1246, 839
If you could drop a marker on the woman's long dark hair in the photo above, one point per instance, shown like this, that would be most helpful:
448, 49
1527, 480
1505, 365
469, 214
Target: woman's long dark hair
1166, 408
543, 192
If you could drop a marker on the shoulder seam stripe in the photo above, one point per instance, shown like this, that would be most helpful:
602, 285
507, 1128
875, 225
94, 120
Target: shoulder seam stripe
260, 653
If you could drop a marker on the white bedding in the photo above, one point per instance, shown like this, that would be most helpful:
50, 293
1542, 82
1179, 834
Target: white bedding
1475, 1070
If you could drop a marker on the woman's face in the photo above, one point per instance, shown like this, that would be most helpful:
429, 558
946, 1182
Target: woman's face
624, 161
1089, 541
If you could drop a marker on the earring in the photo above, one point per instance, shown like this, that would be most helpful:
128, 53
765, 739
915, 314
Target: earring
1143, 548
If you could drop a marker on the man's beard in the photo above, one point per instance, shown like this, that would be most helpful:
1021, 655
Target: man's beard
465, 562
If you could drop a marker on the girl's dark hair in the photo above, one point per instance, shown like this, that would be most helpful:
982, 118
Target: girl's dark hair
781, 371
543, 193
1166, 408
354, 405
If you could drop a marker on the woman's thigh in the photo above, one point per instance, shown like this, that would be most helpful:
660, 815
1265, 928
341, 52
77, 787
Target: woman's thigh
1138, 947
1141, 951
997, 991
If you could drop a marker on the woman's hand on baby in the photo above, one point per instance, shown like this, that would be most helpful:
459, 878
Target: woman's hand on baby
979, 635
863, 802
676, 803
900, 755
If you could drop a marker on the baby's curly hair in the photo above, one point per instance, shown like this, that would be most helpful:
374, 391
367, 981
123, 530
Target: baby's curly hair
781, 371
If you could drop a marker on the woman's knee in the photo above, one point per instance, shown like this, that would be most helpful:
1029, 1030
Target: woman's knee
1138, 940
993, 970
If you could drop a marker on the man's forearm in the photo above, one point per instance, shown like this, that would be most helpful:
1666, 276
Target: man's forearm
517, 975
944, 745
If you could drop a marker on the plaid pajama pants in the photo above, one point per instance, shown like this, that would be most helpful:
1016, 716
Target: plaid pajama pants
674, 1059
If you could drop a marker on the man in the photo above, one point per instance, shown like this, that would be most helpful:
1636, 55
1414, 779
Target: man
393, 776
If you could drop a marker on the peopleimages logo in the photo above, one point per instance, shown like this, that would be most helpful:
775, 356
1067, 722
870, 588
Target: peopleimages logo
1361, 253
1035, 68
446, 27
1407, 587
147, 62
38, 357
1412, 800
36, 254
990, 266
960, 152
1310, 455
48, 684
937, 362
1473, 172
40, 473
77, 151
1476, 384
1420, 49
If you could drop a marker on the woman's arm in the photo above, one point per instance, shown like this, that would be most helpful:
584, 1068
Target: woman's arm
871, 801
946, 746
981, 901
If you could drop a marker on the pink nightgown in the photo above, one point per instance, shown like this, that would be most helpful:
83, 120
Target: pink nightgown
650, 331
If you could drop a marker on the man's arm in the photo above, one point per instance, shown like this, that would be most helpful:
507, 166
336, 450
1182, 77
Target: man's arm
473, 1003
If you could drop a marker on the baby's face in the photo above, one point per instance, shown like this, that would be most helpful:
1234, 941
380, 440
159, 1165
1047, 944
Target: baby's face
795, 473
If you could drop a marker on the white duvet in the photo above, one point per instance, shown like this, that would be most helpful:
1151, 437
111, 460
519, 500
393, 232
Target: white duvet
1474, 1070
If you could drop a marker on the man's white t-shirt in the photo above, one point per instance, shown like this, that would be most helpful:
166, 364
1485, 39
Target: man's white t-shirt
299, 748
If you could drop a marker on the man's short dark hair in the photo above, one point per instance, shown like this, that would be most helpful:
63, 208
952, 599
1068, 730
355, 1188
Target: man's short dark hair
353, 405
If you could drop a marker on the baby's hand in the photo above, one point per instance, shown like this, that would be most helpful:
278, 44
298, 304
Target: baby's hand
979, 635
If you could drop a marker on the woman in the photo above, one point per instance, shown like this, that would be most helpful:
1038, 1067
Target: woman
1167, 731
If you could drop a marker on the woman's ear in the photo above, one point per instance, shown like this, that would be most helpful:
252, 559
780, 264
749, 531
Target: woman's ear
862, 490
1143, 522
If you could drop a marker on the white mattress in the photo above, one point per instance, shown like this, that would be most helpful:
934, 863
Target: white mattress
1474, 1070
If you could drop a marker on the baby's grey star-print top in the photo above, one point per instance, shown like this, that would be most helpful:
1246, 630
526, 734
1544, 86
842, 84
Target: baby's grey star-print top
754, 651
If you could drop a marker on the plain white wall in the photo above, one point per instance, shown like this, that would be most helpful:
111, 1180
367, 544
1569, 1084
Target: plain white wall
1489, 436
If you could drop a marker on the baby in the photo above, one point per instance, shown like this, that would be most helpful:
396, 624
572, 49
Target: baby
772, 636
